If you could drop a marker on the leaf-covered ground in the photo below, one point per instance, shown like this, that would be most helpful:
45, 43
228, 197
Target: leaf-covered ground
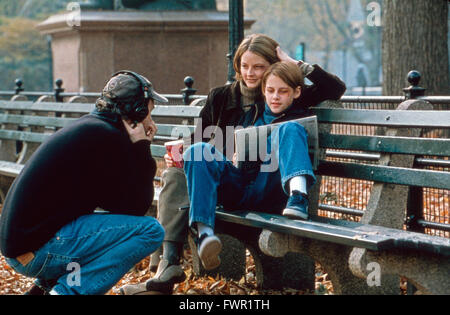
220, 286
12, 283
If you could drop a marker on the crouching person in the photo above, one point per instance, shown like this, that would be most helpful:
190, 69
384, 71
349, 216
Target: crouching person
49, 229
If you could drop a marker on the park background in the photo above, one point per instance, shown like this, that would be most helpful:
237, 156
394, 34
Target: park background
343, 36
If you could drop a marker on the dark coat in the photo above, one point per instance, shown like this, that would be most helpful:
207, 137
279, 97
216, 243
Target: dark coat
91, 163
223, 106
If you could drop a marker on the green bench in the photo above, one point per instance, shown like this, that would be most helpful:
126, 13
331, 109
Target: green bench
349, 251
285, 250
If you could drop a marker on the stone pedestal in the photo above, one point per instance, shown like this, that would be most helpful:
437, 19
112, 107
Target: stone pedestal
164, 46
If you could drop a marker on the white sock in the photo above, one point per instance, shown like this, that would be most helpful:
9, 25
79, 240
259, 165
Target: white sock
298, 183
204, 229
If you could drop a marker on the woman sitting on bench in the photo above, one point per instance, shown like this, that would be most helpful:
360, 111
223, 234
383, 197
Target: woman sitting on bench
213, 179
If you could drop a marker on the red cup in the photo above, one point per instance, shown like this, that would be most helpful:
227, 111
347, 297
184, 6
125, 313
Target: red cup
175, 151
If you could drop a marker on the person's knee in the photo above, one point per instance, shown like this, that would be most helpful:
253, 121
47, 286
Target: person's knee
159, 232
174, 182
153, 230
174, 191
173, 174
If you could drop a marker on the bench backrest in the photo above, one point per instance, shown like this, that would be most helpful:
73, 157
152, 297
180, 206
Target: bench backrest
387, 164
24, 121
19, 116
437, 149
348, 155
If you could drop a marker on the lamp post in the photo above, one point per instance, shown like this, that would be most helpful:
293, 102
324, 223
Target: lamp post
50, 61
236, 33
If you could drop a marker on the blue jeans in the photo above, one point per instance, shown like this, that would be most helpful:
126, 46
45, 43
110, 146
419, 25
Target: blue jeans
92, 253
213, 179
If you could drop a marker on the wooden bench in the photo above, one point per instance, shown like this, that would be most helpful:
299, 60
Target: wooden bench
344, 248
367, 256
25, 125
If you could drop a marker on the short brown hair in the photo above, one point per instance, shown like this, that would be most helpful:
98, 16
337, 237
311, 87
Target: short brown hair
288, 72
259, 44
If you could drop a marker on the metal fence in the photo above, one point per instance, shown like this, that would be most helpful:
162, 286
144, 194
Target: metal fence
339, 197
186, 96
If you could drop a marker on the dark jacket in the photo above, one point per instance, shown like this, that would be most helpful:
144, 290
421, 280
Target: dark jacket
91, 163
223, 106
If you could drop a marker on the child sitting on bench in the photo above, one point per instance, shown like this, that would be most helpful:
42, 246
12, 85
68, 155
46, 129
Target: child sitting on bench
213, 179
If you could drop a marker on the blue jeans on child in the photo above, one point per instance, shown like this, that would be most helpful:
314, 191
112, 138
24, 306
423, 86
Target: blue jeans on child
213, 179
92, 253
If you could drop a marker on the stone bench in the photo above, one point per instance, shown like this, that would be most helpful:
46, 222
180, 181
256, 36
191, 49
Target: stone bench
285, 250
369, 256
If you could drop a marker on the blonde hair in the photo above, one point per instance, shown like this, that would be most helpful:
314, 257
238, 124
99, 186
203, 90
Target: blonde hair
289, 72
259, 44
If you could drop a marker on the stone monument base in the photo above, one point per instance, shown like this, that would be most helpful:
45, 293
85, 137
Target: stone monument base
165, 46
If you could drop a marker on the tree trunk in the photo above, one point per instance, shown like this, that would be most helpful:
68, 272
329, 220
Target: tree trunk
415, 38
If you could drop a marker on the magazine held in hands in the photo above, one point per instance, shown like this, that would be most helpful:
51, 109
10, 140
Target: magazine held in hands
251, 143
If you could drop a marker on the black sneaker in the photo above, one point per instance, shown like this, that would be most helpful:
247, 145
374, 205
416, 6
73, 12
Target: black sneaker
36, 290
41, 287
209, 248
297, 206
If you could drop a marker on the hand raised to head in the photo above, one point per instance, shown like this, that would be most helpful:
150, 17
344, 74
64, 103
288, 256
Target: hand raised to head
283, 56
138, 132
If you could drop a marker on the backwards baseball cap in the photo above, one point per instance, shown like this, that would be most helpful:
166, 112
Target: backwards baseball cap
128, 84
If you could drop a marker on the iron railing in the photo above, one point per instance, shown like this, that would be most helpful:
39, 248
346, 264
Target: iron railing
186, 96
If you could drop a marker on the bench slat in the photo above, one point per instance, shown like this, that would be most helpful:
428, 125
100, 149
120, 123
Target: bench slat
158, 150
386, 174
79, 108
175, 130
84, 108
177, 111
372, 237
160, 110
35, 120
23, 136
10, 169
393, 118
163, 129
402, 239
17, 105
309, 229
401, 145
